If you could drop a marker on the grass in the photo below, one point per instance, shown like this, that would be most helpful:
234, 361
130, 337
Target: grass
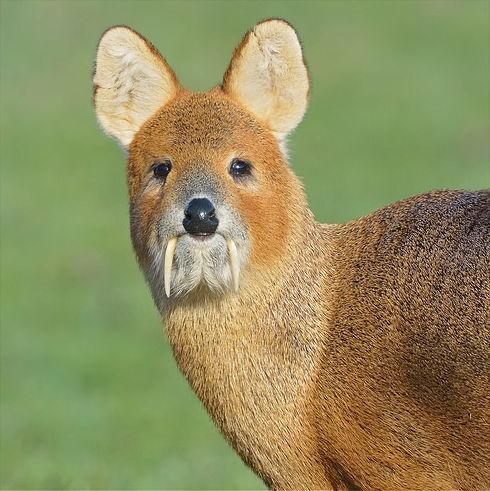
90, 394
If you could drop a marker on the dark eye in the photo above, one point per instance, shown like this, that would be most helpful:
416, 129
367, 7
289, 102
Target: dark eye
161, 169
240, 168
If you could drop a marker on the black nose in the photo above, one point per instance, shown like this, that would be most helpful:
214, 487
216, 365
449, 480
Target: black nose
200, 218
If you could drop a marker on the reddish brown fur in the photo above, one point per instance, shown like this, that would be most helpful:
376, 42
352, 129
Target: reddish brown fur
354, 356
215, 127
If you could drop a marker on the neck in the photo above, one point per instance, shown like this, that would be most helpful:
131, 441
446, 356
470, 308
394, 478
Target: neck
251, 356
266, 308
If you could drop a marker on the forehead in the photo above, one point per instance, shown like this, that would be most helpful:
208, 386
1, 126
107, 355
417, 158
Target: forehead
209, 120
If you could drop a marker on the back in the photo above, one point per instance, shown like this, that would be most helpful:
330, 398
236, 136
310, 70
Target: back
408, 349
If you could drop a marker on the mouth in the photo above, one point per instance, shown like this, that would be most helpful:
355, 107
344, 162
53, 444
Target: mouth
201, 237
170, 253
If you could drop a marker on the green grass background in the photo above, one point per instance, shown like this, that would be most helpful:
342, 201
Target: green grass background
90, 394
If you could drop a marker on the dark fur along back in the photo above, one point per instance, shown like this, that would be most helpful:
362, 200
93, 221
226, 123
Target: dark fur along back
407, 356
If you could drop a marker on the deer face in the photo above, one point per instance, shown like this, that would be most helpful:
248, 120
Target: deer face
211, 193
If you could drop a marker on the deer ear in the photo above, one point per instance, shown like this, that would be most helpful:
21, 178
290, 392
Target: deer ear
131, 82
268, 75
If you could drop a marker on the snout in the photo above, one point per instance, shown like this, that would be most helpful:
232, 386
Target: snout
200, 217
212, 250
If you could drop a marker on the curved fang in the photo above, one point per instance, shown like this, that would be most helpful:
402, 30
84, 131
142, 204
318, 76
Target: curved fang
169, 258
234, 266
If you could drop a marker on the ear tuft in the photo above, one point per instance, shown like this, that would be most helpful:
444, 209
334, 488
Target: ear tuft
268, 75
131, 82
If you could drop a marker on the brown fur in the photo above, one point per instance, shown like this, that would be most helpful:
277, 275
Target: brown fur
353, 357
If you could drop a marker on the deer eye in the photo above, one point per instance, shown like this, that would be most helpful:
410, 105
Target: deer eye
240, 168
162, 169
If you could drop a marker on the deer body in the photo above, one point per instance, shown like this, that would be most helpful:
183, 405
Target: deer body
291, 383
341, 357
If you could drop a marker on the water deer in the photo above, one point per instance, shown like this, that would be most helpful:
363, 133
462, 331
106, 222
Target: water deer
343, 357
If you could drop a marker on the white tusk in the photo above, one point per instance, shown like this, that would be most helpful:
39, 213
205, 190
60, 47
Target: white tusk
234, 267
169, 258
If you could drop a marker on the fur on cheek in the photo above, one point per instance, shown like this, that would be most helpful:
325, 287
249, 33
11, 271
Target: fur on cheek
268, 224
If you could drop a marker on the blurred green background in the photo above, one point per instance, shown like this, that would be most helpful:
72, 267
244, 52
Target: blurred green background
90, 394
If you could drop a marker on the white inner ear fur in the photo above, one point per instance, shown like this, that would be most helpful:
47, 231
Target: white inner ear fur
269, 77
132, 82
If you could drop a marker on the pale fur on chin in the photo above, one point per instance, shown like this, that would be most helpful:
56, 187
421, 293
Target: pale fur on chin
194, 264
200, 263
